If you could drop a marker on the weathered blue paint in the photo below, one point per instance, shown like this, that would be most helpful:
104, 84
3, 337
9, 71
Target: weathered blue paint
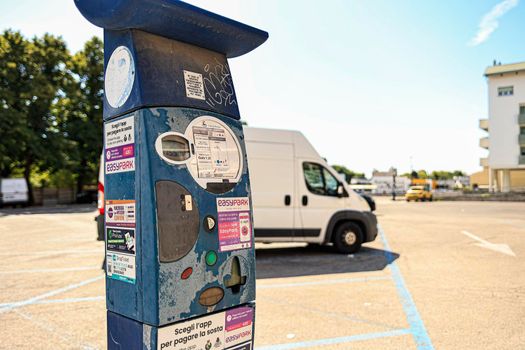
159, 75
159, 296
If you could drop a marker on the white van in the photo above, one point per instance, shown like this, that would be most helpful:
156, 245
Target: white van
298, 197
13, 191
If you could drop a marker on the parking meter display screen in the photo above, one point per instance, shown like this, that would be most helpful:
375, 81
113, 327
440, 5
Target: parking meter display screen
175, 148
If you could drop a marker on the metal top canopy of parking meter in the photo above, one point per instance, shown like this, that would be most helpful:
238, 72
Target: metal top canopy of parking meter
175, 20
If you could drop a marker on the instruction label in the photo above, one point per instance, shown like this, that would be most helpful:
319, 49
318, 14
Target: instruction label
227, 330
120, 219
119, 145
213, 153
194, 85
234, 223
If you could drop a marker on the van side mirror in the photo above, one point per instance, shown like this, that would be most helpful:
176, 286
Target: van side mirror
340, 190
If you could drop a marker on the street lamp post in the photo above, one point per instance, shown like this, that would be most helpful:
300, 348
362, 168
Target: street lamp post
394, 174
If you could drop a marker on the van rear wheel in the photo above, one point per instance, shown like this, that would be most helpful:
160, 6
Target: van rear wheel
348, 237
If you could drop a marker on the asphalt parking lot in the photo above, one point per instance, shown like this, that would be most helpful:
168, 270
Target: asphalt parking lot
443, 275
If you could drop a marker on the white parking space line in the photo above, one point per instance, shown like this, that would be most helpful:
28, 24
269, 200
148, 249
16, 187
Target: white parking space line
65, 269
322, 282
333, 341
62, 301
497, 247
33, 300
66, 337
56, 252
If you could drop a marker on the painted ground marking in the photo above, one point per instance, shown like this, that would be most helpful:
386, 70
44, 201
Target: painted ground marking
46, 295
497, 247
64, 269
333, 341
417, 327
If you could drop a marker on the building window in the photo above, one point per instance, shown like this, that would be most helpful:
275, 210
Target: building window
506, 91
522, 109
523, 151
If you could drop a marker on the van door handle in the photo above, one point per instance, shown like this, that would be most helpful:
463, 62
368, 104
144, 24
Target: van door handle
287, 200
305, 200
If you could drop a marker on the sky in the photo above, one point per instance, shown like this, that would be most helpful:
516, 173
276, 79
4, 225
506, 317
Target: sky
371, 84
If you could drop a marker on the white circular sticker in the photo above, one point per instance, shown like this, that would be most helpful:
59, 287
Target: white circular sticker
217, 152
120, 75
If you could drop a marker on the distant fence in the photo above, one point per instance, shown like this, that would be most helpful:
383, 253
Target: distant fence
54, 196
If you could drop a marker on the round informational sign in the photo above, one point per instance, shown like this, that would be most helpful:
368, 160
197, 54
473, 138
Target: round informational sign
120, 75
217, 155
210, 150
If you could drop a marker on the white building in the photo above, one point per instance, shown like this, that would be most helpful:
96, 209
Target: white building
505, 143
383, 181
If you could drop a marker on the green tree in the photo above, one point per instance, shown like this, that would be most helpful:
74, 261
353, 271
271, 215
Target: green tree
445, 175
32, 77
349, 174
422, 174
81, 113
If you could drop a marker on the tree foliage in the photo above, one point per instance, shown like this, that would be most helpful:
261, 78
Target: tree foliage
349, 174
50, 107
32, 76
81, 111
435, 175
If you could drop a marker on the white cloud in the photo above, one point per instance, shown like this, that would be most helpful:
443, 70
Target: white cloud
489, 23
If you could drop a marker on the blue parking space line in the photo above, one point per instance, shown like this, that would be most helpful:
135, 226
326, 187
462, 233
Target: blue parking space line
332, 341
417, 327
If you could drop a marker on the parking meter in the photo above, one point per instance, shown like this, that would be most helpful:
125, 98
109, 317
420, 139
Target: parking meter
178, 223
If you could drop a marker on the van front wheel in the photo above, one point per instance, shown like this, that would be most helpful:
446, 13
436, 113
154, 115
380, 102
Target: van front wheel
348, 238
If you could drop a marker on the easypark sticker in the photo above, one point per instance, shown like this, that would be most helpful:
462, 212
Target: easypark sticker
234, 223
119, 146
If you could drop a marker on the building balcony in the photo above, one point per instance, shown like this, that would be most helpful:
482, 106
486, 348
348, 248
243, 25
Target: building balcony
484, 162
484, 142
522, 139
521, 160
521, 119
484, 124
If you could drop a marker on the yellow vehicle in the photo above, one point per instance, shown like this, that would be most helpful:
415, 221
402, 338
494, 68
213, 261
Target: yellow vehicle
419, 193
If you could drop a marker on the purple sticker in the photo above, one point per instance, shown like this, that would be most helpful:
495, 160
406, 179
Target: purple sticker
120, 152
238, 318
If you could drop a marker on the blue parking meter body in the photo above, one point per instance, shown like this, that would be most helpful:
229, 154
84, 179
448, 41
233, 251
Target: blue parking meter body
180, 270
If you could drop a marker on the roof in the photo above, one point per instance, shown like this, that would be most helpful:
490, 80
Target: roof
175, 20
505, 68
